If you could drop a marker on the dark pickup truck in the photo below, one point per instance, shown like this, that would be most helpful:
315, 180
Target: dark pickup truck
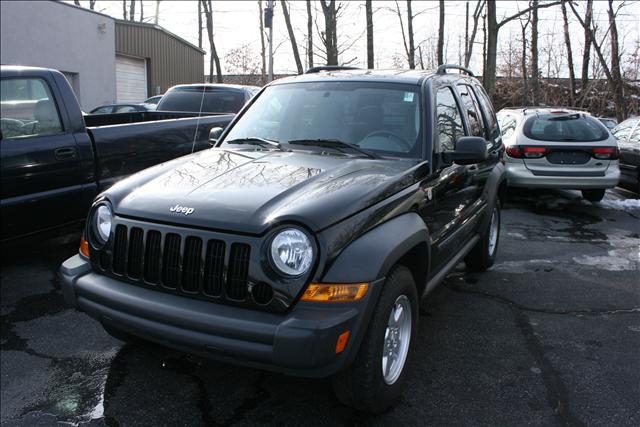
306, 239
54, 159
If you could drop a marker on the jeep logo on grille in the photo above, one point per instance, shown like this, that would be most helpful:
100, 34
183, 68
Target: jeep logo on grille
182, 209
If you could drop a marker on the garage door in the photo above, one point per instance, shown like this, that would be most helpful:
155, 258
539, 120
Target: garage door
131, 79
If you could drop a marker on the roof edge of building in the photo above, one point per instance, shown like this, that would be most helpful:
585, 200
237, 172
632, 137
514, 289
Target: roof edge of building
159, 28
84, 9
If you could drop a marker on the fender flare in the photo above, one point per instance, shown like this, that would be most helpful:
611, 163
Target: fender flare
491, 190
373, 254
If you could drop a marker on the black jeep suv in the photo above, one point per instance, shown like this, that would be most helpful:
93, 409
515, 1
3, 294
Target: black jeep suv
304, 241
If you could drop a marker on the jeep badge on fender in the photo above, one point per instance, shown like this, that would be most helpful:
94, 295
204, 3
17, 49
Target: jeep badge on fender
322, 225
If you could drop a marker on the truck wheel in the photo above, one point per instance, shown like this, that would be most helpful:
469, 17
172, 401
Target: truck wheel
377, 376
483, 254
593, 195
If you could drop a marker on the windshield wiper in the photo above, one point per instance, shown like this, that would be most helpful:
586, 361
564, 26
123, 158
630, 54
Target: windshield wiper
332, 143
254, 140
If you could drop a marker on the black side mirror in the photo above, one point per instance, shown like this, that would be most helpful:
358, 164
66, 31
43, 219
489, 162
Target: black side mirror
214, 135
469, 150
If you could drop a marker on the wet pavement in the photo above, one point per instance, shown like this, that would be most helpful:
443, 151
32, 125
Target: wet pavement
549, 336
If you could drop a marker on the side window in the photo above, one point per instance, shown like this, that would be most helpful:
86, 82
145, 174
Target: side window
508, 123
125, 109
448, 119
102, 110
27, 108
487, 109
470, 104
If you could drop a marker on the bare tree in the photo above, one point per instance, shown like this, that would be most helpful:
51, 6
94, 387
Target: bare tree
92, 4
242, 60
309, 34
263, 56
141, 11
567, 42
493, 27
132, 10
469, 41
208, 13
77, 3
524, 23
292, 36
330, 37
124, 9
157, 16
407, 38
586, 54
535, 70
441, 34
369, 14
199, 24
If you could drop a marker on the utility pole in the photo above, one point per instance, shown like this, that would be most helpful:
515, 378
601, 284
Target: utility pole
268, 23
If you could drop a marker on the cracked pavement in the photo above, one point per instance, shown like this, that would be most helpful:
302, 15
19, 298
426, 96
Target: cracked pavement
549, 336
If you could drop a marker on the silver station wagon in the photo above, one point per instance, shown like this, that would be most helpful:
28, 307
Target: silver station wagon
559, 148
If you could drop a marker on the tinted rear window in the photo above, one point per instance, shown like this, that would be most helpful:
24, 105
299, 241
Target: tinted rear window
189, 100
565, 128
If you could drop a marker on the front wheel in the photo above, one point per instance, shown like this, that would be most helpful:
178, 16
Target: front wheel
483, 254
593, 195
377, 376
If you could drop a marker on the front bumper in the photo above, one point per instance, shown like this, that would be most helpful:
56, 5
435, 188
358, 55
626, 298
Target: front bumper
518, 175
300, 342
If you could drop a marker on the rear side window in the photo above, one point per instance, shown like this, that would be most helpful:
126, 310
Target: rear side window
470, 104
448, 120
565, 128
27, 108
487, 109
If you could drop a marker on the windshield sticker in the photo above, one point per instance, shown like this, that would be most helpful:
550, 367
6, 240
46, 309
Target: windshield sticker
408, 97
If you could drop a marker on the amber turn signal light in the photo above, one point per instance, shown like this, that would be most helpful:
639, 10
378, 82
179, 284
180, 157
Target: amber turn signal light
84, 247
342, 342
334, 292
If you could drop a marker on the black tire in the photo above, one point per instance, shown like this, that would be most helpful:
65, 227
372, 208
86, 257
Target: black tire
123, 336
593, 195
483, 255
362, 385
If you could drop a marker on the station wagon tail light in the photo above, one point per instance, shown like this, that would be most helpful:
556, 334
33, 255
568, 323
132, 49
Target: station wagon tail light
605, 153
514, 151
334, 292
534, 152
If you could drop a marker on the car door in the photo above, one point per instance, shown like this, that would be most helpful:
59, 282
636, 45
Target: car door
40, 180
448, 185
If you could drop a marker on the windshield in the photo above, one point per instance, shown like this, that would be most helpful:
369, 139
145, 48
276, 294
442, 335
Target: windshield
189, 100
383, 117
566, 127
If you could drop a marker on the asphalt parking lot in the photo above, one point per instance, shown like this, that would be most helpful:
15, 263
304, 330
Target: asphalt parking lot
549, 336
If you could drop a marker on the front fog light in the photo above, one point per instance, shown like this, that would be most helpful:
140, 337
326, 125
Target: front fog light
292, 252
102, 223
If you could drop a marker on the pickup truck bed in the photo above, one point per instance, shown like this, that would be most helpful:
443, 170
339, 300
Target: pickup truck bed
55, 160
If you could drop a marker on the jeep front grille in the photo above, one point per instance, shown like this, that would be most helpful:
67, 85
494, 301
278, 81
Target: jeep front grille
178, 263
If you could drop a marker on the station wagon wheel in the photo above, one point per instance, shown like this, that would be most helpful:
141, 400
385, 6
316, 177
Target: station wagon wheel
377, 376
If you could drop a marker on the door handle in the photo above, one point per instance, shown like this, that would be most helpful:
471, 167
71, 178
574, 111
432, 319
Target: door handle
65, 153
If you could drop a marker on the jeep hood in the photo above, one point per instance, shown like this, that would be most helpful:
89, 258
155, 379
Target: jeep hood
249, 191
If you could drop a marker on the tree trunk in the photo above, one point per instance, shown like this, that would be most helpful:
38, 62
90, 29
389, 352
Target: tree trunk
292, 36
369, 14
470, 41
617, 84
309, 34
535, 72
157, 16
330, 35
92, 4
586, 54
489, 77
77, 3
206, 6
141, 11
441, 35
525, 89
263, 72
199, 23
412, 49
132, 10
567, 41
124, 9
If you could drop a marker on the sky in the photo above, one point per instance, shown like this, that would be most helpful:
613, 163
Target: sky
236, 24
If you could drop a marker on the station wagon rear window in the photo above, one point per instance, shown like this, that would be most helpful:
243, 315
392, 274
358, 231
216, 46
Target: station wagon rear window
565, 128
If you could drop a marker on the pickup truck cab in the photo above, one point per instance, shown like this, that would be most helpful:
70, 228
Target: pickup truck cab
55, 160
304, 241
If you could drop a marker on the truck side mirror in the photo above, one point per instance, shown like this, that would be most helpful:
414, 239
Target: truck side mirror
214, 135
469, 150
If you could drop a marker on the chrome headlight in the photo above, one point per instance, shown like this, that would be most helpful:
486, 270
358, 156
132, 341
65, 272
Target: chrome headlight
102, 219
292, 252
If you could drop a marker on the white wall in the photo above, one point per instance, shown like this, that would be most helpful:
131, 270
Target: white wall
55, 35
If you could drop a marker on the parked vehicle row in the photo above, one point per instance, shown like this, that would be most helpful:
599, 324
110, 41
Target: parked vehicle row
628, 135
54, 160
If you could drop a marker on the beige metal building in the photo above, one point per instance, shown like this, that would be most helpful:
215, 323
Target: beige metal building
150, 59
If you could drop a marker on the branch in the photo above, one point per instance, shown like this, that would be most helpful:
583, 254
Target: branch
529, 9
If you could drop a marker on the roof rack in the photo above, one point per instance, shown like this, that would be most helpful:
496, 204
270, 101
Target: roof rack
329, 68
442, 69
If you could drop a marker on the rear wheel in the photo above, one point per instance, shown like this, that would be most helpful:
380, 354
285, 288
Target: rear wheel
377, 376
483, 254
593, 195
